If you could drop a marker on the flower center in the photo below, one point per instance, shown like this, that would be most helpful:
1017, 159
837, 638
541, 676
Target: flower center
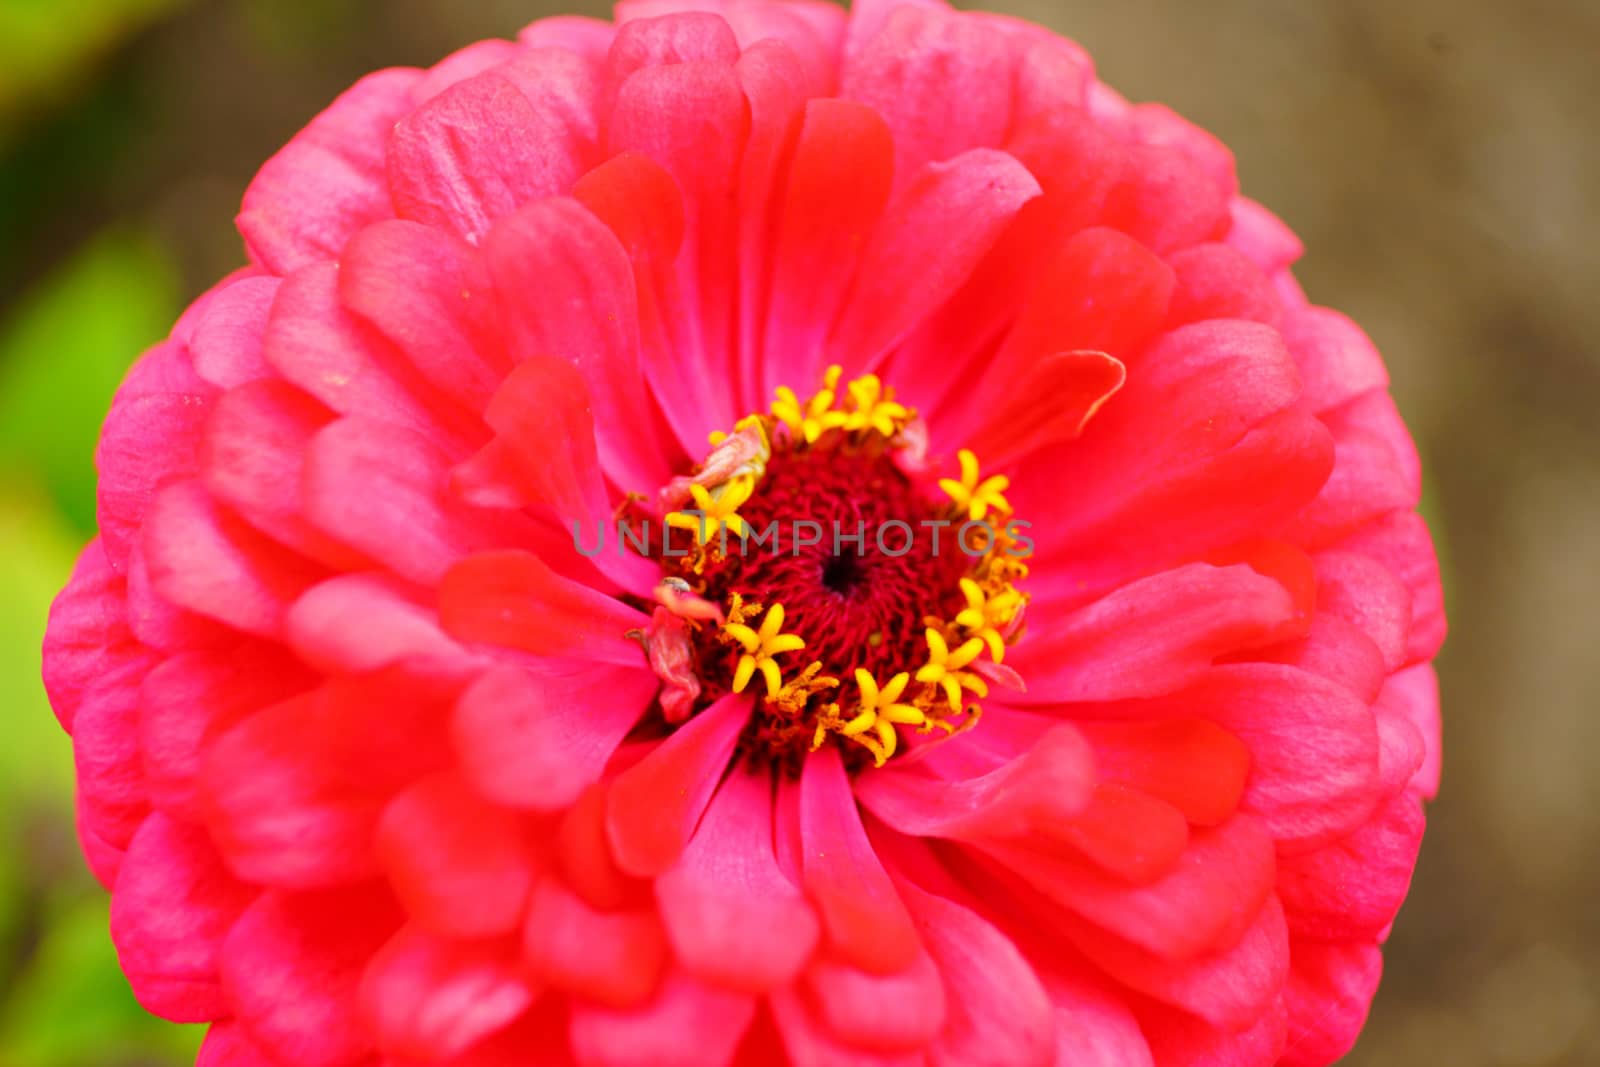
819, 565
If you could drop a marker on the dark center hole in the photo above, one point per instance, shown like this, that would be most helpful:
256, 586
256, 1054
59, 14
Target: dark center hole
843, 573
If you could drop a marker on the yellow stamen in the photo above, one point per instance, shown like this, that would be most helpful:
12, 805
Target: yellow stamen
988, 614
760, 648
944, 668
714, 509
808, 421
973, 496
874, 408
880, 710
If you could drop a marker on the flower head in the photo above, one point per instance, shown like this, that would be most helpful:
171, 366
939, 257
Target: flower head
442, 697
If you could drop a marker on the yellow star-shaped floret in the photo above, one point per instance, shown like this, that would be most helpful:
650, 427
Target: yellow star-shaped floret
880, 711
976, 497
946, 668
987, 615
874, 408
760, 648
715, 508
808, 421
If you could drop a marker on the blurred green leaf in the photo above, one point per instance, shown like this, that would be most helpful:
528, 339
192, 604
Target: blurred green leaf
64, 351
73, 1007
44, 44
36, 553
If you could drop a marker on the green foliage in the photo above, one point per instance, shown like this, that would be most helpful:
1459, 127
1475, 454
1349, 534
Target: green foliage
64, 352
45, 44
63, 1000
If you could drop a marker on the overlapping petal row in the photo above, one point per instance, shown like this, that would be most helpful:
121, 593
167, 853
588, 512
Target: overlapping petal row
354, 723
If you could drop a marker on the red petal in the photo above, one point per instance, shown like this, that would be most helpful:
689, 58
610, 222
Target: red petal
1151, 636
291, 968
930, 238
686, 1024
208, 561
535, 736
429, 293
514, 599
1192, 764
174, 904
866, 923
430, 999
1330, 989
731, 915
459, 865
281, 815
612, 957
1040, 793
654, 806
477, 152
922, 55
329, 181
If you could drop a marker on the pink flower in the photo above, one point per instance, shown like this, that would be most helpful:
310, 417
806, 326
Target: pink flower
386, 761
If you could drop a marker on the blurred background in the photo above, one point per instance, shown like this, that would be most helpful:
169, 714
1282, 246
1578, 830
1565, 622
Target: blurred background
1441, 159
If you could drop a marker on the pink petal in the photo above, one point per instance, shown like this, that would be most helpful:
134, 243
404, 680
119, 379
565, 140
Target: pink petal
1038, 794
931, 236
986, 978
429, 998
227, 1045
1208, 900
849, 1003
654, 806
173, 905
1167, 202
1401, 542
111, 794
1337, 360
1353, 887
572, 295
429, 293
1231, 989
208, 561
515, 600
196, 695
807, 1041
1151, 636
225, 347
328, 181
731, 915
251, 459
686, 1024
693, 119
459, 865
280, 815
1330, 989
291, 967
150, 440
87, 641
837, 185
1078, 385
866, 923
537, 735
1192, 764
614, 958
313, 341
1215, 281
667, 39
1313, 747
357, 623
1094, 1027
477, 152
921, 55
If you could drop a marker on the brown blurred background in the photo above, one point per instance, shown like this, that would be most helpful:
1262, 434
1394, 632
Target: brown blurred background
1440, 159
